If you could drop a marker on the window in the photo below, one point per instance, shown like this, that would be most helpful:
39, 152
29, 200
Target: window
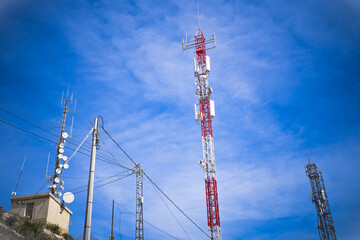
29, 210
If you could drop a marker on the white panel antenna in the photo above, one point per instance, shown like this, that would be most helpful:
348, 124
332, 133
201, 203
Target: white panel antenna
212, 108
208, 63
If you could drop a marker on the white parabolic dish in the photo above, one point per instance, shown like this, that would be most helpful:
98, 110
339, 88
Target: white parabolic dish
68, 197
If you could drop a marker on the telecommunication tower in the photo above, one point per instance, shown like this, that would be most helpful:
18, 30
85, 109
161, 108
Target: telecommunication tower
320, 200
204, 112
61, 158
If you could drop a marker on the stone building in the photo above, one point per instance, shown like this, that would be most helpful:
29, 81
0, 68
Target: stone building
42, 206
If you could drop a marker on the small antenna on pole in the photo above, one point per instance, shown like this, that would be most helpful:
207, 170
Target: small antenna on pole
197, 4
17, 184
309, 156
67, 94
47, 167
62, 97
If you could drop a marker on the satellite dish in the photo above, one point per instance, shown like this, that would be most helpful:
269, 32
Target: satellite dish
62, 182
54, 186
66, 166
61, 188
68, 197
59, 194
65, 135
65, 158
13, 193
60, 156
58, 171
61, 145
61, 150
57, 180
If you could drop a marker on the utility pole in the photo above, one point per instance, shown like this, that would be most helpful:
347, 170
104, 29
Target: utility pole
112, 237
204, 112
139, 229
90, 192
320, 200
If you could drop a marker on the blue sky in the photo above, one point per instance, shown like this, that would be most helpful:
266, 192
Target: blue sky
285, 76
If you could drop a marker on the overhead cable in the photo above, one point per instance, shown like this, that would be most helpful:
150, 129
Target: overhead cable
156, 184
146, 221
49, 140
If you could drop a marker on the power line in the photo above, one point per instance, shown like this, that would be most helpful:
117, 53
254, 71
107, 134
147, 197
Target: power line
171, 212
49, 140
111, 153
104, 179
104, 183
146, 221
25, 113
100, 154
156, 184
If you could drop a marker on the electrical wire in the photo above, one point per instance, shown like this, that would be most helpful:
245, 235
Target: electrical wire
100, 154
49, 140
105, 183
171, 212
156, 185
25, 113
104, 179
79, 146
111, 153
146, 221
40, 121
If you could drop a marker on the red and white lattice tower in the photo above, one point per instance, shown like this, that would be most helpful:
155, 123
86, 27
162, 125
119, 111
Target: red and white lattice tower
204, 112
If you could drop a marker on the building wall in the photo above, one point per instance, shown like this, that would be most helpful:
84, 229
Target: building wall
59, 216
40, 210
46, 208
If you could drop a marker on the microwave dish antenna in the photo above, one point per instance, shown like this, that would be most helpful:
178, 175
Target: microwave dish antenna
68, 197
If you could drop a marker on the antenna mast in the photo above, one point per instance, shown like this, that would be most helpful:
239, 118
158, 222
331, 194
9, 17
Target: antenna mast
320, 200
204, 112
139, 229
60, 162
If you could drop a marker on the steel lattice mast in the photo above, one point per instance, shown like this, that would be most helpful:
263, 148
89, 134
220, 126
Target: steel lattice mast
139, 228
319, 198
204, 112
